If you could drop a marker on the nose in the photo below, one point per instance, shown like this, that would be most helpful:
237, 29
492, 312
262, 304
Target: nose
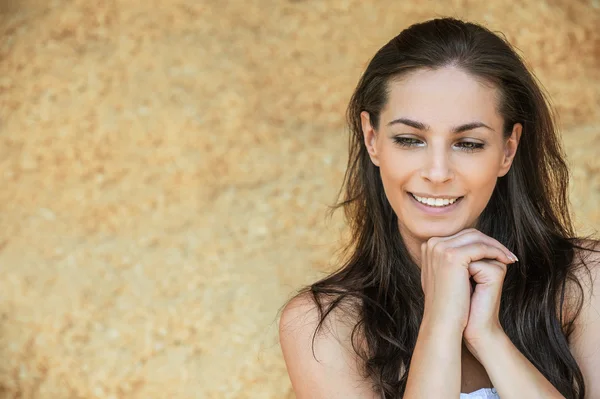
437, 167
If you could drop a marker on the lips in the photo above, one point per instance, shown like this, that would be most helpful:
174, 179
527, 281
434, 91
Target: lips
436, 202
435, 211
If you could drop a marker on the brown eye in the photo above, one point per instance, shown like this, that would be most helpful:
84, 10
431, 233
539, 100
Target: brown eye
470, 146
406, 141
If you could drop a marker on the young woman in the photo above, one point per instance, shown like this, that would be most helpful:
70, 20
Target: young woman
463, 277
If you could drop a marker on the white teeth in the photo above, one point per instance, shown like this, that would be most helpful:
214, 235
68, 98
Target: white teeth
435, 201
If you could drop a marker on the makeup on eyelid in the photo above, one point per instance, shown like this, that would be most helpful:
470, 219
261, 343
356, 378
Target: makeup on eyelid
468, 146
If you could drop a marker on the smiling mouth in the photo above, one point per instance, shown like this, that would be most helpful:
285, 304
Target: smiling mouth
437, 202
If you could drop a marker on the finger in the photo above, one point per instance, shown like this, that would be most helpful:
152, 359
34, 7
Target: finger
433, 241
487, 271
431, 244
476, 251
489, 264
496, 263
476, 235
472, 236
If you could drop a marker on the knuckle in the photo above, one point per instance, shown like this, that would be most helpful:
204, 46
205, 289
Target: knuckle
432, 242
438, 247
449, 254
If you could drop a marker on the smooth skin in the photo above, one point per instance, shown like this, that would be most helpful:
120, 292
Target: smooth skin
430, 157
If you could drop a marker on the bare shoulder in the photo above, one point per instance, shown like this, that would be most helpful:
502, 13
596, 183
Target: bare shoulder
330, 368
585, 340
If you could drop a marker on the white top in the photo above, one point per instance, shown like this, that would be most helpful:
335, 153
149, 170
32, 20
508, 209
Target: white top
483, 393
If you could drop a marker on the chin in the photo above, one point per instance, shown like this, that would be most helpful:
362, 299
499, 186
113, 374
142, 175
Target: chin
424, 233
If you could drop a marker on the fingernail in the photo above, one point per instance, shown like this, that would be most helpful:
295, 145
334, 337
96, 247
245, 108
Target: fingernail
513, 257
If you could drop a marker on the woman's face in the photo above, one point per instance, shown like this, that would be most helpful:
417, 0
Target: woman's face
439, 141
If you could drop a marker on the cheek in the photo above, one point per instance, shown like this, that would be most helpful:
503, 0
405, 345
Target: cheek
479, 181
479, 172
396, 169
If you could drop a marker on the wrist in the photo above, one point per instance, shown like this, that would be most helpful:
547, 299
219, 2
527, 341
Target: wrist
440, 328
484, 342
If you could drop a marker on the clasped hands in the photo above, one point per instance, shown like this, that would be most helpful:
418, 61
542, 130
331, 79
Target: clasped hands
447, 266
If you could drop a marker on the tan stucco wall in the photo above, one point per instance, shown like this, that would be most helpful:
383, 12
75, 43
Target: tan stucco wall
166, 165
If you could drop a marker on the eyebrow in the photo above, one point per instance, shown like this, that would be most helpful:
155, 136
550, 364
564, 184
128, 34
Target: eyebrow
422, 126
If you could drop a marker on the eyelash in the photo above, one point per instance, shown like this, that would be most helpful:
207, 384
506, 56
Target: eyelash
409, 142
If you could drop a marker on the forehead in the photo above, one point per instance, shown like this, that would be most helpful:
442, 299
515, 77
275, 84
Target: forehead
445, 96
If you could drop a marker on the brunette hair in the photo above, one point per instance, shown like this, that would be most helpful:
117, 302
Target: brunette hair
528, 212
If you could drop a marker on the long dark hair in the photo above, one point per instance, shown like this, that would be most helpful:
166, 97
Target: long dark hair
528, 213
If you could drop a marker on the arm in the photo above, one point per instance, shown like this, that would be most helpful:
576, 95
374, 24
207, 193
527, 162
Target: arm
336, 374
515, 377
435, 367
511, 372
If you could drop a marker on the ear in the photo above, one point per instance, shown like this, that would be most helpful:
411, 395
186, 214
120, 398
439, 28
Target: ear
510, 149
370, 136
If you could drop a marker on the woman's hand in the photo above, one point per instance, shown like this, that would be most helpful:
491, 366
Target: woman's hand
447, 263
484, 322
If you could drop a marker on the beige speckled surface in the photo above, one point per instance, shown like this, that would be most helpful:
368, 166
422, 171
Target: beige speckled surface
166, 166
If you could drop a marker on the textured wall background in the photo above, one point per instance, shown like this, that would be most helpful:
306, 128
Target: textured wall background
166, 165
